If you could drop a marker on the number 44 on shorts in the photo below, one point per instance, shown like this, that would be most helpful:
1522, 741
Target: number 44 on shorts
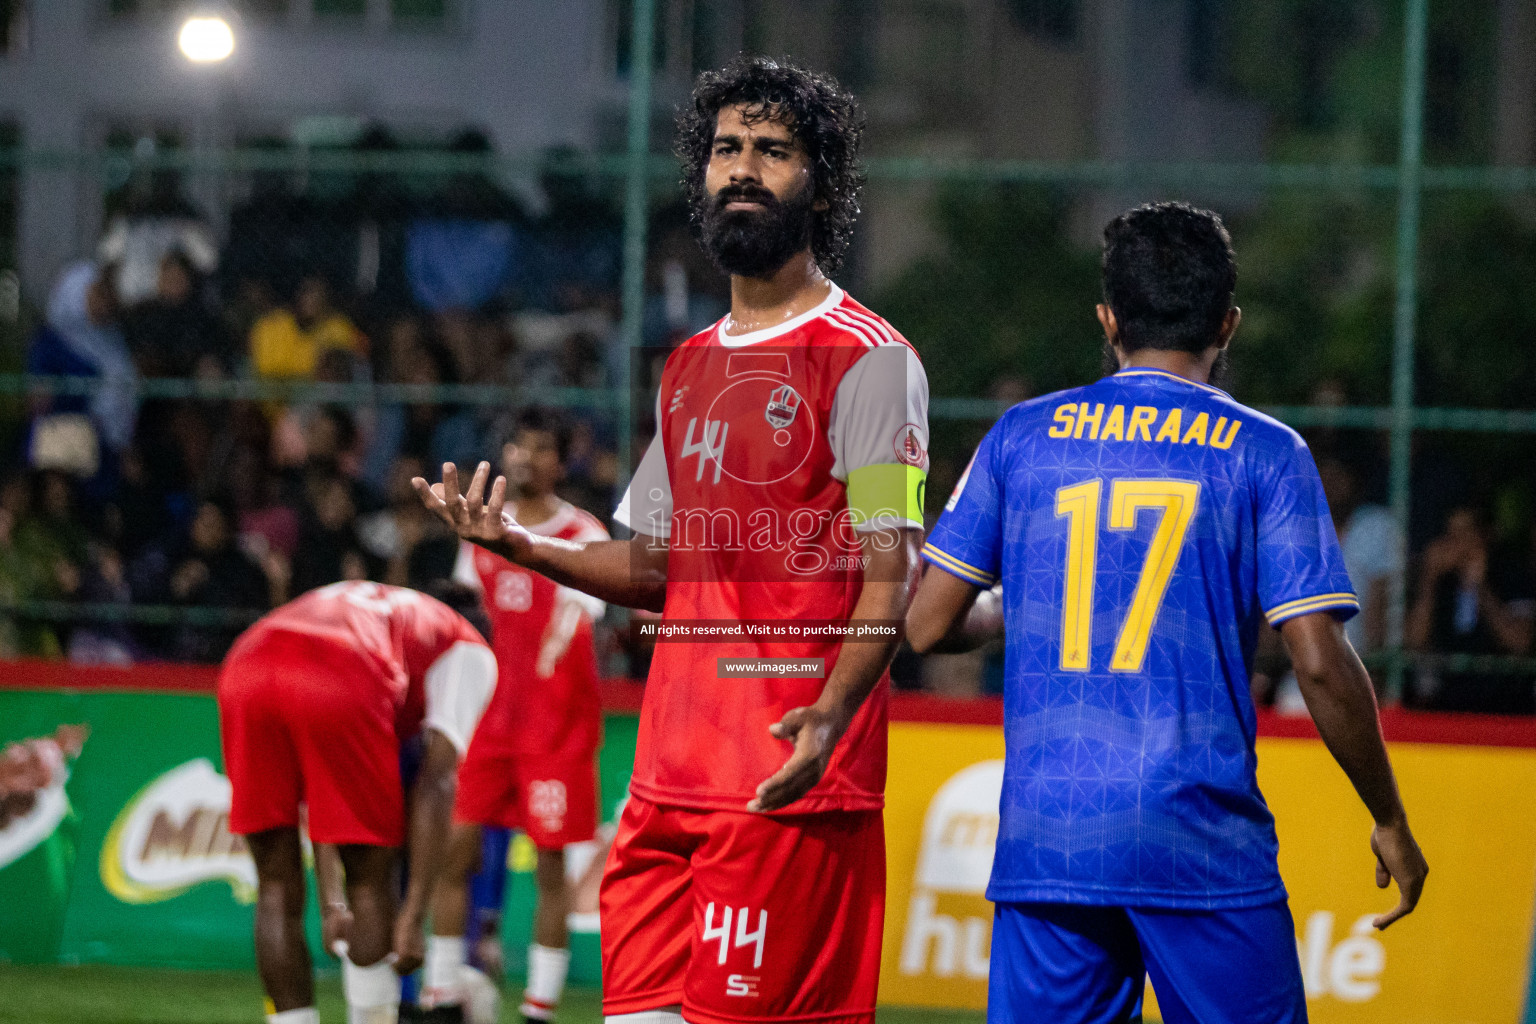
743, 938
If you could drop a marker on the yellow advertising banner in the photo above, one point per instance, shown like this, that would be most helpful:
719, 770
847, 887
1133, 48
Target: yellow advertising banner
1462, 958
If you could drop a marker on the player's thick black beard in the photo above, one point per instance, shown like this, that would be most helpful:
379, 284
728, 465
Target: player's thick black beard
1221, 369
755, 243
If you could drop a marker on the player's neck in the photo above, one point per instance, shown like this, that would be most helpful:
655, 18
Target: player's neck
758, 303
537, 509
1189, 365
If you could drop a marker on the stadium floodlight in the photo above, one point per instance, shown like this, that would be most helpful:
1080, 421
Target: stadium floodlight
206, 40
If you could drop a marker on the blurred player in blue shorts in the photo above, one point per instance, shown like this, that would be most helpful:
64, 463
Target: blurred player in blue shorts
487, 894
1143, 528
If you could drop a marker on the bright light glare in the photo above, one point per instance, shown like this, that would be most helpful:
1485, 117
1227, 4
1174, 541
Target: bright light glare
206, 40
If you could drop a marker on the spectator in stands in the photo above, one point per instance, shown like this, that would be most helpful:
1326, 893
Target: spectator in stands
577, 244
287, 344
268, 529
1369, 538
1371, 542
105, 581
80, 338
34, 565
1461, 607
479, 346
211, 571
56, 521
413, 545
246, 302
1515, 572
155, 219
461, 251
328, 541
175, 333
431, 431
136, 512
18, 583
497, 345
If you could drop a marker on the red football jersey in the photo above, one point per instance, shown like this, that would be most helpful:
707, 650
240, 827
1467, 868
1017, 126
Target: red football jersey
396, 635
561, 713
759, 434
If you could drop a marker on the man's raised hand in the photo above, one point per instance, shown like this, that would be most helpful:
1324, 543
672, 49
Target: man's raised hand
471, 515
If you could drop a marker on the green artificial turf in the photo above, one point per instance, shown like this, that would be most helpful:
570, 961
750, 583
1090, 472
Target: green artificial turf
123, 995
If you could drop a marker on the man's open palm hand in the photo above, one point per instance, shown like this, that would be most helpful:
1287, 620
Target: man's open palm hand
472, 515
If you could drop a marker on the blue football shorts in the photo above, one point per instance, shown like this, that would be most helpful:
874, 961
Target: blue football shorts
1073, 964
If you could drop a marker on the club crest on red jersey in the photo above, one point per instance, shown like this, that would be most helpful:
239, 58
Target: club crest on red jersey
783, 403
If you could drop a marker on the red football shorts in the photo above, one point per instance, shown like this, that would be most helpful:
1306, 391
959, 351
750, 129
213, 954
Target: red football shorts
303, 723
744, 917
551, 798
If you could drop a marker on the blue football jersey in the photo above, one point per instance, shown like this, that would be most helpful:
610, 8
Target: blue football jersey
1141, 527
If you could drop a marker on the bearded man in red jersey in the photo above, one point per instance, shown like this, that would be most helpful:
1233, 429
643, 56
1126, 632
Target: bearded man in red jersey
776, 518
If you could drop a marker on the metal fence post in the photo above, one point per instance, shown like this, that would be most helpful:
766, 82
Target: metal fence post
642, 47
1410, 166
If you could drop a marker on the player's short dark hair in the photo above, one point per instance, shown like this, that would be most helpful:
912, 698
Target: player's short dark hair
546, 421
1169, 276
824, 117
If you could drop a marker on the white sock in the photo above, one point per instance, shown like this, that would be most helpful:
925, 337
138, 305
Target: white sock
303, 1015
440, 979
373, 993
546, 981
646, 1017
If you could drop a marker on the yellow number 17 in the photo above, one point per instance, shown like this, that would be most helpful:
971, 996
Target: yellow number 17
1079, 504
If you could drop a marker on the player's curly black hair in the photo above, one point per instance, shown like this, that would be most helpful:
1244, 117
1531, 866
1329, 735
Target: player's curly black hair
824, 117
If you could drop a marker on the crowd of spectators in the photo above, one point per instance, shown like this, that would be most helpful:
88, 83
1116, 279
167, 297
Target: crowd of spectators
230, 507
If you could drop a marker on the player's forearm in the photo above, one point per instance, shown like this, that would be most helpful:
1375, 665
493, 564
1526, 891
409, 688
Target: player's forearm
629, 573
938, 609
888, 589
431, 820
1342, 702
859, 667
1346, 720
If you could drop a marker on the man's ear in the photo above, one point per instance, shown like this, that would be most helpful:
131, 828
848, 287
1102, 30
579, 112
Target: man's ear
1109, 323
1229, 324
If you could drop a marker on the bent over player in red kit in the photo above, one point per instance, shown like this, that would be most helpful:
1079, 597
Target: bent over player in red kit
777, 516
532, 765
315, 701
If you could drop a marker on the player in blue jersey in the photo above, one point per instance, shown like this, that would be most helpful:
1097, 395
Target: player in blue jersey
1142, 529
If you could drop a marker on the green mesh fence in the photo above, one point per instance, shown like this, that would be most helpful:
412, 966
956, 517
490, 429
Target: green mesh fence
1401, 201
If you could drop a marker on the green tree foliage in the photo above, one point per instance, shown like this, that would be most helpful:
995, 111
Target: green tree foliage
1007, 295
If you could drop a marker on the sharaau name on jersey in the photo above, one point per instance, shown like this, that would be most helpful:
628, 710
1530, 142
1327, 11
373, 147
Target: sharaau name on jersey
1141, 424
